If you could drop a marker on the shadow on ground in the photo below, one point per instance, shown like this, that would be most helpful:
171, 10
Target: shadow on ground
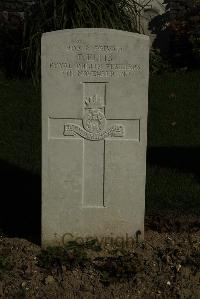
185, 160
20, 203
20, 214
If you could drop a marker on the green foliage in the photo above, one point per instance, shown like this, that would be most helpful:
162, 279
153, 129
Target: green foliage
92, 244
50, 15
180, 25
157, 63
186, 26
118, 268
60, 256
71, 255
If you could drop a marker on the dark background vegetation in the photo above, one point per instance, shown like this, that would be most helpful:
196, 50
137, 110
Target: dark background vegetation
178, 33
173, 154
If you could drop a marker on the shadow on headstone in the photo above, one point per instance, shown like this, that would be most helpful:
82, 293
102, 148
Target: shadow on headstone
20, 213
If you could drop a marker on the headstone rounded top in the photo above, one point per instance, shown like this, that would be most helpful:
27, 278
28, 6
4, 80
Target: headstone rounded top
94, 126
98, 31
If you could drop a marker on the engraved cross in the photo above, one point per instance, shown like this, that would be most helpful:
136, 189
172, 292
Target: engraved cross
94, 132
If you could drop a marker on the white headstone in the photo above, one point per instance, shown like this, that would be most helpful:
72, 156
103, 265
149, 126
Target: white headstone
94, 133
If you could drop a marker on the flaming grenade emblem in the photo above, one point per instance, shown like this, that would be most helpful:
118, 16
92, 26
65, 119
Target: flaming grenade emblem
94, 120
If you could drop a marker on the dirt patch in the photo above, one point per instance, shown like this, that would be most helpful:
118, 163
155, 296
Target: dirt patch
165, 265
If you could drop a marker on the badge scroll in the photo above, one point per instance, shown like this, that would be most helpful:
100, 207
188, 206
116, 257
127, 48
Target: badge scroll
94, 122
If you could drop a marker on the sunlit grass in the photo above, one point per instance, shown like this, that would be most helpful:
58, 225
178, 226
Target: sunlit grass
169, 191
174, 109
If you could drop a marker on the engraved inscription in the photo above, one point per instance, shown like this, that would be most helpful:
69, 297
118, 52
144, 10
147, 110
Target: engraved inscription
95, 69
78, 46
97, 61
114, 131
94, 57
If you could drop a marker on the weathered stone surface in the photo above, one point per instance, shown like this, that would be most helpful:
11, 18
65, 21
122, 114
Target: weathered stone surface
94, 133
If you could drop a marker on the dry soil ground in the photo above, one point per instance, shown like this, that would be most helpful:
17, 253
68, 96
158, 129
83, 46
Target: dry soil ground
165, 265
